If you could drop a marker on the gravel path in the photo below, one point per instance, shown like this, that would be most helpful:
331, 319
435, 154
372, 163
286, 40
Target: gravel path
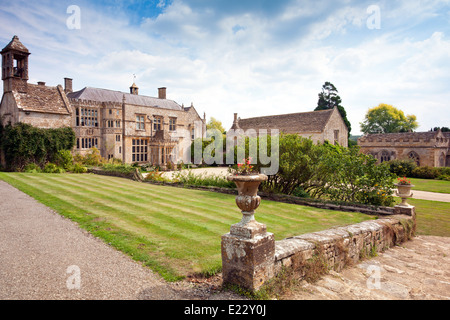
46, 256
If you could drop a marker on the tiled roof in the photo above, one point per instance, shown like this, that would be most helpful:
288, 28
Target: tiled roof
40, 98
104, 95
314, 121
15, 44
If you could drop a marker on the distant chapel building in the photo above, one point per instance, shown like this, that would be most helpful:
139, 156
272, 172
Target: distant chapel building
126, 126
430, 149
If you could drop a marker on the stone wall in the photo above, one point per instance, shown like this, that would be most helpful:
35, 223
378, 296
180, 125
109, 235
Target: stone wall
336, 124
45, 120
251, 261
343, 246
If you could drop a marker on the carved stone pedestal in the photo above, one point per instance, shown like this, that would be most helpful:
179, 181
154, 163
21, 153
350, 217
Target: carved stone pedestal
248, 250
248, 262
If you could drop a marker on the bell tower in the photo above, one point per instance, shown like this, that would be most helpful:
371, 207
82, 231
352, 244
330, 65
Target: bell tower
15, 66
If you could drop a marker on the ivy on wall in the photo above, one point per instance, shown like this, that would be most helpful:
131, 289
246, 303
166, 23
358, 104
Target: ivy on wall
23, 144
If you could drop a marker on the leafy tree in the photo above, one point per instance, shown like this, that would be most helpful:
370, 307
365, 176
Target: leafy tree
329, 99
215, 124
387, 119
443, 129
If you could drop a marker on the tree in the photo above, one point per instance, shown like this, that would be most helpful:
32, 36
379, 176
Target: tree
443, 129
329, 99
215, 124
387, 119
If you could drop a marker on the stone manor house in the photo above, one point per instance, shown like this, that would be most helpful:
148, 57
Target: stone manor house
125, 126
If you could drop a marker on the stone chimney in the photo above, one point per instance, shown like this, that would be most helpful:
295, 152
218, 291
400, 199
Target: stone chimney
235, 125
162, 93
68, 85
41, 83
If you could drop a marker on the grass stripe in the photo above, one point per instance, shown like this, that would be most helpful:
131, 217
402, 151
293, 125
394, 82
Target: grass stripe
117, 207
170, 218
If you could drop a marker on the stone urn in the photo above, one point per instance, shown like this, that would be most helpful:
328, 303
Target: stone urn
248, 250
248, 201
404, 192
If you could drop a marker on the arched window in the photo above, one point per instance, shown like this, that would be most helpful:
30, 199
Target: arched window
414, 157
385, 156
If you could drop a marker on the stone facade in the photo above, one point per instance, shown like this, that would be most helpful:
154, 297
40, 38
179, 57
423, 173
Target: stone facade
122, 125
425, 148
319, 126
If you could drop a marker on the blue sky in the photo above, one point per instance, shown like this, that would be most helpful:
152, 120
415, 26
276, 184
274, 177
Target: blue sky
247, 56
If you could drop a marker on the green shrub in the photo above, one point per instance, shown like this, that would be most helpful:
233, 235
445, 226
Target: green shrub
78, 168
402, 168
425, 173
444, 171
444, 177
64, 159
52, 168
119, 168
299, 192
329, 172
32, 168
93, 158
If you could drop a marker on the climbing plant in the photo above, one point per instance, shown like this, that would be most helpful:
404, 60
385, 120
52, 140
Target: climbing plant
23, 144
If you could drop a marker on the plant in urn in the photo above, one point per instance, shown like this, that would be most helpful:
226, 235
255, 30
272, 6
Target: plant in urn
404, 187
247, 182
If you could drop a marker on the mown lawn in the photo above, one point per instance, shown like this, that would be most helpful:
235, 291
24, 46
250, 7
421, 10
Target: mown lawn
432, 217
440, 186
174, 231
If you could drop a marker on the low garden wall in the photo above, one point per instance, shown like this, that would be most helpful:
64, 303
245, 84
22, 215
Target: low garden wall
251, 262
339, 247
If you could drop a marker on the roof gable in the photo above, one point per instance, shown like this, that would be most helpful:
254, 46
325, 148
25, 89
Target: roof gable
40, 98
